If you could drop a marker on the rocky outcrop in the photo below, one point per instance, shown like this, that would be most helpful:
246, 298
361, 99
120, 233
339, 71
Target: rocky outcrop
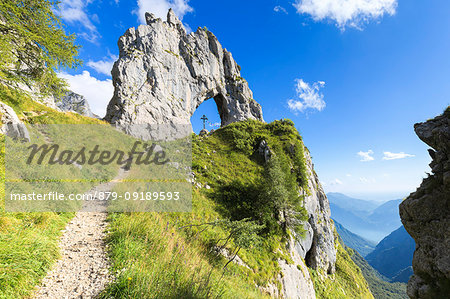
163, 75
75, 103
296, 281
11, 124
318, 247
264, 150
426, 215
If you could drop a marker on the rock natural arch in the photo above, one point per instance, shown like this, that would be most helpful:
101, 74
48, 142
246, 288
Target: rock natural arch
163, 75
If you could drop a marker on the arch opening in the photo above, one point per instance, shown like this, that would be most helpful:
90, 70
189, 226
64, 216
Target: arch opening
212, 108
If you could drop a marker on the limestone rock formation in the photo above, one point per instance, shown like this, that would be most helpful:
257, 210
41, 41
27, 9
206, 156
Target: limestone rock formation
318, 248
264, 150
163, 75
426, 215
12, 126
296, 281
75, 103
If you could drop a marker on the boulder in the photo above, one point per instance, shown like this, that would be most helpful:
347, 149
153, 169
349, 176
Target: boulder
12, 126
203, 132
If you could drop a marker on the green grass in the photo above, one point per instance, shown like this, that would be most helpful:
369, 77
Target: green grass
28, 248
153, 259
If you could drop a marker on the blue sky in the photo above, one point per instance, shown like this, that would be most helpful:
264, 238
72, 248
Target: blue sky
354, 75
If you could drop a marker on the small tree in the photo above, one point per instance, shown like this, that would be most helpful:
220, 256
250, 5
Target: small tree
281, 193
33, 45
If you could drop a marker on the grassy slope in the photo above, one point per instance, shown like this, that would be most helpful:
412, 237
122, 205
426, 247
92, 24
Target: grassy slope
28, 241
154, 259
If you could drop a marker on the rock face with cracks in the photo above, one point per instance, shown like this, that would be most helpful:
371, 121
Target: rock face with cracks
75, 103
163, 75
318, 247
426, 215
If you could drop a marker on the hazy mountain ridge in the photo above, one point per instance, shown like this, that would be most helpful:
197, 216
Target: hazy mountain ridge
367, 219
392, 257
381, 286
361, 205
354, 241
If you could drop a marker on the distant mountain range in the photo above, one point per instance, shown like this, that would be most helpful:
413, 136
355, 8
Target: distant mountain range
358, 243
353, 204
392, 257
360, 222
368, 219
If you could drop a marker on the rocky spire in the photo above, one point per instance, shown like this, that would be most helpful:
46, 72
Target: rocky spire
163, 75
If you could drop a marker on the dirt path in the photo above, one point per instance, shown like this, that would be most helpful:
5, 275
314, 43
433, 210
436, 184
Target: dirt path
83, 270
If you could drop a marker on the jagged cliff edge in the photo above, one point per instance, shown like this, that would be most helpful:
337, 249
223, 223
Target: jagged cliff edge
426, 215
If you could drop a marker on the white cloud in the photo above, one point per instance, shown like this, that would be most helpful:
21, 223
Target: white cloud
97, 92
74, 11
348, 175
336, 182
394, 156
365, 180
187, 27
103, 66
366, 156
160, 8
279, 8
308, 97
346, 13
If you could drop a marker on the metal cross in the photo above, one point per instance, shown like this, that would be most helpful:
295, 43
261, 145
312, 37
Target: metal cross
204, 118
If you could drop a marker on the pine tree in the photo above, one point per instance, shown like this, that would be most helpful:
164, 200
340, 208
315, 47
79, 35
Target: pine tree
34, 45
